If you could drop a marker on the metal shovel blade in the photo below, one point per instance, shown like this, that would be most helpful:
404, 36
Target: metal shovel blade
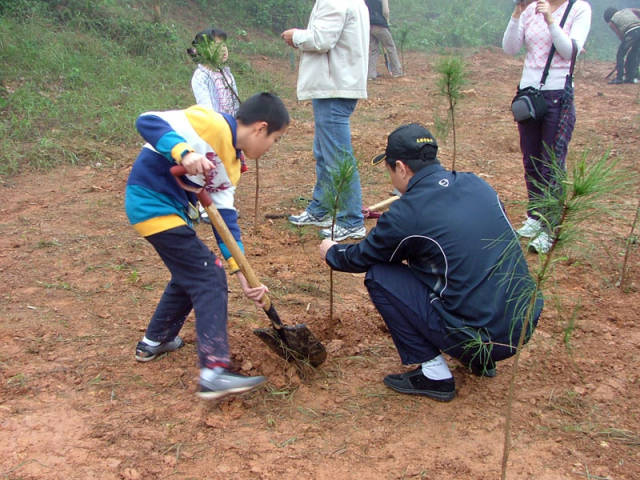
294, 343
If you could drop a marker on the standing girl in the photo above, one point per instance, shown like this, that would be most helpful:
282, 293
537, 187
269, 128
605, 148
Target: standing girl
213, 84
536, 26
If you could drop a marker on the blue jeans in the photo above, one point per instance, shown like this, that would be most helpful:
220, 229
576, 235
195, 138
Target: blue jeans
332, 144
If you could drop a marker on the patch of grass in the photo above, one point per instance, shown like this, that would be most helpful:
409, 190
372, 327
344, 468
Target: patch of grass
18, 380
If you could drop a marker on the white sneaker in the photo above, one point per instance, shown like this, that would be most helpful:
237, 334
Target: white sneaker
305, 218
530, 228
342, 233
541, 244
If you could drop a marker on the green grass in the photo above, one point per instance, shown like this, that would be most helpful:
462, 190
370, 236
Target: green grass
76, 73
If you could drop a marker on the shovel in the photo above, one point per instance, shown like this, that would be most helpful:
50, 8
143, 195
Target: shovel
293, 343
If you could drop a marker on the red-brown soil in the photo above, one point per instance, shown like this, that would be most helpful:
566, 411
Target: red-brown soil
79, 286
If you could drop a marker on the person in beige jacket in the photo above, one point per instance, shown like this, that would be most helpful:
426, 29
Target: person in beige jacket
333, 75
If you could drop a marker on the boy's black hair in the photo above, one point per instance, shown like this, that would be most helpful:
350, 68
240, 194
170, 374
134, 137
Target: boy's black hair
264, 107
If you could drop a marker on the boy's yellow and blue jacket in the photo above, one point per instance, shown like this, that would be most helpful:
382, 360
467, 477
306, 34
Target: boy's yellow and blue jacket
154, 202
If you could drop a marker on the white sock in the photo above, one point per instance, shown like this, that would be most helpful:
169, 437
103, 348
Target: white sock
151, 343
436, 369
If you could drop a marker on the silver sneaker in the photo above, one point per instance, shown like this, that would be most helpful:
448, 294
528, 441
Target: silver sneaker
342, 233
146, 352
541, 244
220, 382
530, 228
305, 218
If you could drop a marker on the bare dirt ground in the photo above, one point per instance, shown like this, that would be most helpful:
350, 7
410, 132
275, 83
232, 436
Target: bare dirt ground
80, 286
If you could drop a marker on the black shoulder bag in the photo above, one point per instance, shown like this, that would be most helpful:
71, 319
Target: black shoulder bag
529, 104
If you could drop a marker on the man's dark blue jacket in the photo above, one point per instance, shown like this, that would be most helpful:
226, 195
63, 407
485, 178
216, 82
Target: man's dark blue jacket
450, 228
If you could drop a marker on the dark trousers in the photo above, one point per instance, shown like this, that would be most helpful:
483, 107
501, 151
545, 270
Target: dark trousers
416, 328
536, 137
198, 281
628, 56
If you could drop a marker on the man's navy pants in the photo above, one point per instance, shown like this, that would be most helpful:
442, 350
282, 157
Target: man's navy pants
417, 329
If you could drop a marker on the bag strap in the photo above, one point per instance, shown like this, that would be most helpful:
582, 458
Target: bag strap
574, 54
553, 47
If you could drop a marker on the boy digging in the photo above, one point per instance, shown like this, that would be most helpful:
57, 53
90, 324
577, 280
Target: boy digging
204, 143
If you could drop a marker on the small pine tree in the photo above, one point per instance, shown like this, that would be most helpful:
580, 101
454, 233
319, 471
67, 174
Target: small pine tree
452, 78
337, 189
562, 207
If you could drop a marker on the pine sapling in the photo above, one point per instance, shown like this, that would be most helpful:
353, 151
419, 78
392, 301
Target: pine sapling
338, 187
562, 208
632, 239
452, 78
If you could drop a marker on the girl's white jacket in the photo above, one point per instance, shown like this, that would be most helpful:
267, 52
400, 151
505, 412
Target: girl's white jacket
335, 51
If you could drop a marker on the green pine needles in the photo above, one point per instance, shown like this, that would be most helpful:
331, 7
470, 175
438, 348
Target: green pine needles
337, 188
452, 78
589, 190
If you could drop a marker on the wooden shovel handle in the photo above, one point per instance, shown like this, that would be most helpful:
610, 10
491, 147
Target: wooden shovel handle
222, 229
383, 204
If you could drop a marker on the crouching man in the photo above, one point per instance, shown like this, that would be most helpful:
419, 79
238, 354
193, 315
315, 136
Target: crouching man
444, 269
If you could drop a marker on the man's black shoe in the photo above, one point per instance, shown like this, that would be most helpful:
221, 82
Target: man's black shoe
414, 382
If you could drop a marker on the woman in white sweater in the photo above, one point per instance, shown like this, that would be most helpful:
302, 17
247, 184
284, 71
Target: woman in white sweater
535, 24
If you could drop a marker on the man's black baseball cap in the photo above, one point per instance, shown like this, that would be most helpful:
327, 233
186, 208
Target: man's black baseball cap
408, 142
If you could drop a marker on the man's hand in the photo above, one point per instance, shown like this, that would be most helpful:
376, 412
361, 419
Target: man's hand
326, 244
287, 36
196, 164
254, 294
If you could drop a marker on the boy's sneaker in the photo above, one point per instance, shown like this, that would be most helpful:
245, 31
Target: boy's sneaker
146, 352
541, 244
342, 233
414, 382
220, 382
306, 218
530, 228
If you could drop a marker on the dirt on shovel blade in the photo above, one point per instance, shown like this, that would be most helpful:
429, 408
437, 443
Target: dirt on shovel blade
301, 345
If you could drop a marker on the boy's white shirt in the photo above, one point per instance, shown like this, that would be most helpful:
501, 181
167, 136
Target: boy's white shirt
335, 51
178, 120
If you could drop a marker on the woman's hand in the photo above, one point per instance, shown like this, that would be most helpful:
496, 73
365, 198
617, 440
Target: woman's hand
543, 7
252, 293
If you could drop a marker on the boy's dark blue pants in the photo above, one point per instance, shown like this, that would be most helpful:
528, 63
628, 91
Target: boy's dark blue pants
417, 329
198, 281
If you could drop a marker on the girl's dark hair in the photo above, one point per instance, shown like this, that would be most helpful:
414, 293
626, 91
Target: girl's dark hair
210, 34
264, 107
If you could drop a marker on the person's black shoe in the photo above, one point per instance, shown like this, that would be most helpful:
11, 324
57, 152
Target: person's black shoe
616, 81
414, 382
